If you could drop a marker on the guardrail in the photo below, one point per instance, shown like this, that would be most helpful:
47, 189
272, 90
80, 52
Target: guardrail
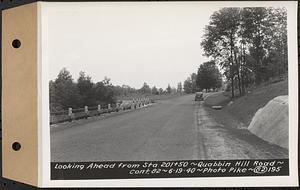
83, 113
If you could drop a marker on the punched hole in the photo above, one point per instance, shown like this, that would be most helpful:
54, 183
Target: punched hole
16, 43
16, 146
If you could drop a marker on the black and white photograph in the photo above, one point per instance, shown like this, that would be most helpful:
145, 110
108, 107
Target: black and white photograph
142, 82
149, 94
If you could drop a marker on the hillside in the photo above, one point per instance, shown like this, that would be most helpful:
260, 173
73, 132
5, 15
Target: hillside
243, 108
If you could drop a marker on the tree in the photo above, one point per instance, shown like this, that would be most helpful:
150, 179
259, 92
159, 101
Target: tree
173, 90
256, 26
188, 85
86, 90
278, 33
247, 42
168, 89
106, 81
161, 91
63, 91
145, 89
208, 76
193, 81
264, 31
220, 39
123, 90
54, 105
154, 91
104, 94
179, 87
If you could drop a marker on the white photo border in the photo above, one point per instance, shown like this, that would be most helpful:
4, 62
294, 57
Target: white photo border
45, 9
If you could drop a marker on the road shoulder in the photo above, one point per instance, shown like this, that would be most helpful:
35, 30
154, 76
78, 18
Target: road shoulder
225, 138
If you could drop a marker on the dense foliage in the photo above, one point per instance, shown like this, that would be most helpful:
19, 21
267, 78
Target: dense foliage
208, 76
249, 44
189, 84
66, 93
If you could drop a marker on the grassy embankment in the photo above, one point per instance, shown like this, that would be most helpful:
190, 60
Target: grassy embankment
242, 109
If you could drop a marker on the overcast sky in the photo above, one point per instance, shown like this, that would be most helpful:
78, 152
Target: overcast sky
131, 43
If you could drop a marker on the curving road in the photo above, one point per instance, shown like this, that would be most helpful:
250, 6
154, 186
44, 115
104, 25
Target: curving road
174, 129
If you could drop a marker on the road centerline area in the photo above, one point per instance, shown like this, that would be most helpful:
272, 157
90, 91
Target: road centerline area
165, 131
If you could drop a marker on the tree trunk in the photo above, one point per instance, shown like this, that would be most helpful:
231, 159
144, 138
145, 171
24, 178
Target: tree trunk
243, 64
231, 67
232, 78
240, 86
258, 57
243, 61
257, 72
238, 73
285, 57
232, 86
243, 80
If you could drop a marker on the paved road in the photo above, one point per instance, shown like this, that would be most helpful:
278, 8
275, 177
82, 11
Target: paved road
174, 129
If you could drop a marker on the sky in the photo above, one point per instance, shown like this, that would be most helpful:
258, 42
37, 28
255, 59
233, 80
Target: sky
130, 43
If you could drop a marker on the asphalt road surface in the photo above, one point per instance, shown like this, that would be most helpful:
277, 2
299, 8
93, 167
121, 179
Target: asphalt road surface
174, 129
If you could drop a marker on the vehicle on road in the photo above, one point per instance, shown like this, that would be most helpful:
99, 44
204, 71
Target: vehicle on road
199, 96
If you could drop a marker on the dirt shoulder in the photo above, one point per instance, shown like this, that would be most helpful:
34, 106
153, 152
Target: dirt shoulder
233, 119
224, 137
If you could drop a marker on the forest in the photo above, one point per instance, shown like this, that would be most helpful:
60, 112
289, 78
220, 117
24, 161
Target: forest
65, 92
248, 44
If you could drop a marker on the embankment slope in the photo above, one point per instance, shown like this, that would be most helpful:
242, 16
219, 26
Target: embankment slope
270, 123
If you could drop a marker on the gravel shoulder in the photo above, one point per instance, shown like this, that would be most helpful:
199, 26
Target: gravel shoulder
226, 138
